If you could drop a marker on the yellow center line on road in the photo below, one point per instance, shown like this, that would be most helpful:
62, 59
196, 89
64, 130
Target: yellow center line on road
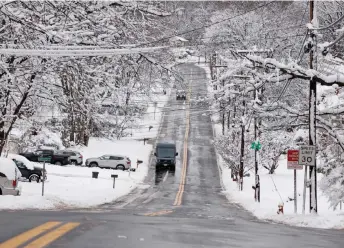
26, 236
179, 196
53, 235
159, 213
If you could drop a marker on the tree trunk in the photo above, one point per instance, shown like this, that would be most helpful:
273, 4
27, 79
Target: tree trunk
86, 139
273, 168
2, 139
274, 165
4, 135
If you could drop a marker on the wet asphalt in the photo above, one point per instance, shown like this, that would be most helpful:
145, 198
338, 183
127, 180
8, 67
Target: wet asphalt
147, 217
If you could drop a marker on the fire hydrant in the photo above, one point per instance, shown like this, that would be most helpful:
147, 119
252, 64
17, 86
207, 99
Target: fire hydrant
280, 208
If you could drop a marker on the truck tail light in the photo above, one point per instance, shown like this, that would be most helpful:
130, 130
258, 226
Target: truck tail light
14, 183
128, 162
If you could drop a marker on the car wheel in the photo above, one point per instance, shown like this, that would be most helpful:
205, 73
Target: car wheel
120, 167
93, 164
0, 192
173, 167
34, 177
58, 163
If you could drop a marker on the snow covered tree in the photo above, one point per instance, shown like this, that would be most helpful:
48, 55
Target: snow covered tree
76, 86
274, 144
284, 80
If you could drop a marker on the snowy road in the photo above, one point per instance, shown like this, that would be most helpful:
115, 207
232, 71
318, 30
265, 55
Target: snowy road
148, 217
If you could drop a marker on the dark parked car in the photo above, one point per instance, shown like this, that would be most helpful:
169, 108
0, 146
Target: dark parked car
28, 169
48, 155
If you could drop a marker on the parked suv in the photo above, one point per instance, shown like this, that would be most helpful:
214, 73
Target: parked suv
74, 156
27, 169
110, 161
181, 95
50, 156
9, 175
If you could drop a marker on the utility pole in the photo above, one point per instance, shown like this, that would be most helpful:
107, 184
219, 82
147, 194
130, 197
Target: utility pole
234, 172
256, 134
242, 145
223, 107
212, 68
242, 149
223, 117
312, 122
229, 114
257, 179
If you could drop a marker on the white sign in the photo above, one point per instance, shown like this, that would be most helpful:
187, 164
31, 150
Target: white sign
307, 155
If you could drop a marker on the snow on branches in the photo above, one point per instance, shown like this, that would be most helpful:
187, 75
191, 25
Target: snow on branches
75, 97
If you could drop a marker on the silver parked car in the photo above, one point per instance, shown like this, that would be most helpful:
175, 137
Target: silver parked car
74, 156
110, 161
9, 175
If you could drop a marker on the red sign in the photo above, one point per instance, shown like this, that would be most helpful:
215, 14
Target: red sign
293, 160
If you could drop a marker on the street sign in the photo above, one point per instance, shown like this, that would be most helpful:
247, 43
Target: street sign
293, 160
307, 155
44, 159
293, 164
256, 145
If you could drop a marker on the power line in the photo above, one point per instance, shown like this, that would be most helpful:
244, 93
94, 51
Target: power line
195, 110
207, 26
76, 53
299, 58
330, 25
261, 38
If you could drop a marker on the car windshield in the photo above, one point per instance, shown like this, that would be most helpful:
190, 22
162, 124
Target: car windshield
166, 152
19, 164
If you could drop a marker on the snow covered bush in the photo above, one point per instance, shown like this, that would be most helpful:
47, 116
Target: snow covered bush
332, 184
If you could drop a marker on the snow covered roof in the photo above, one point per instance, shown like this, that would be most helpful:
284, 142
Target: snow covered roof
9, 168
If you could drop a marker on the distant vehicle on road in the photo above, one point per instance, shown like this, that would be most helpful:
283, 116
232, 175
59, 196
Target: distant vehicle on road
9, 175
74, 156
165, 155
50, 156
28, 169
117, 162
181, 95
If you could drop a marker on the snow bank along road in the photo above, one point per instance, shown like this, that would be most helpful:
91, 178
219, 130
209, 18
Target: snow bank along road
185, 208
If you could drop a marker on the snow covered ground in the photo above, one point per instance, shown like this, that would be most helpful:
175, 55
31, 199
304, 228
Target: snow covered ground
272, 195
275, 189
73, 186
